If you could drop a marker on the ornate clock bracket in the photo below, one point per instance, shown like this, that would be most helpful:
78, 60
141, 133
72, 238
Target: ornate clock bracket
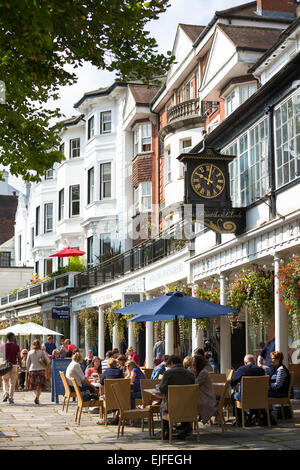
207, 183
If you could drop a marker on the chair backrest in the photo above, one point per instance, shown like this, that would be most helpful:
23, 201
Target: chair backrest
147, 372
183, 402
120, 398
147, 383
255, 392
224, 394
291, 384
218, 378
110, 400
65, 382
78, 393
229, 374
296, 369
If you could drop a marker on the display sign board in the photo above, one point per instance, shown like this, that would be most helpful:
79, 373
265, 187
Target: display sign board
61, 313
130, 298
57, 387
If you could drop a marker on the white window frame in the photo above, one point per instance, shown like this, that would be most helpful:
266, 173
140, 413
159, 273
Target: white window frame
37, 220
91, 185
104, 123
48, 217
20, 247
168, 166
61, 204
189, 90
74, 151
103, 183
72, 201
91, 128
143, 197
49, 174
143, 138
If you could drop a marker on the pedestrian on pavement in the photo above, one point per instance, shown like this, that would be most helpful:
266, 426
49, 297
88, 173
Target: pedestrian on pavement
10, 351
50, 345
22, 370
37, 361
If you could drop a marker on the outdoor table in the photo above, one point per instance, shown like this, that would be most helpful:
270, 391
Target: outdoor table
155, 394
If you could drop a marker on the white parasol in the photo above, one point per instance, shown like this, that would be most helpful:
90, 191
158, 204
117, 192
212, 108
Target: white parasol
29, 328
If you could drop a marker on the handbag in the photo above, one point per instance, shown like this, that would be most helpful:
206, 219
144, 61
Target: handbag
5, 367
43, 362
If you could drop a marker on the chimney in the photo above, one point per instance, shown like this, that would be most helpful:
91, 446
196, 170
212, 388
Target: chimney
277, 8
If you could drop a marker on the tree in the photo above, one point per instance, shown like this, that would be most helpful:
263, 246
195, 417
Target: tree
38, 38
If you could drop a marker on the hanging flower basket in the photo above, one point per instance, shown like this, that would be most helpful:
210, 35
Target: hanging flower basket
289, 290
211, 295
253, 289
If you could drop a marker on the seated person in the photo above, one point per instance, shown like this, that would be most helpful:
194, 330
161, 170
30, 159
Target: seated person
207, 403
249, 369
95, 368
55, 354
175, 375
88, 359
279, 376
108, 355
160, 369
261, 363
135, 374
187, 362
132, 355
112, 371
74, 370
122, 362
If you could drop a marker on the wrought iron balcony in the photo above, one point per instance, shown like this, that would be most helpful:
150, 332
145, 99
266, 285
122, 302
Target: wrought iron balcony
138, 257
58, 283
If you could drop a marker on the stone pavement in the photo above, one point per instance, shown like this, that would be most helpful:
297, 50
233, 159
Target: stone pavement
26, 426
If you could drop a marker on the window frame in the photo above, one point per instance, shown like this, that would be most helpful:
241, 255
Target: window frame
103, 183
102, 122
91, 129
48, 227
61, 204
71, 149
72, 201
140, 140
37, 220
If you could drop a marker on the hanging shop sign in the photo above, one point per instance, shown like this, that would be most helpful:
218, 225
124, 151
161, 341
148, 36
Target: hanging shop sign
61, 313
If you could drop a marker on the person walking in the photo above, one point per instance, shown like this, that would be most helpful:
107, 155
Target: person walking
37, 361
22, 370
10, 351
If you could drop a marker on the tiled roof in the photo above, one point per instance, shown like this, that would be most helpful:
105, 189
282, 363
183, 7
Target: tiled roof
248, 9
191, 30
249, 37
143, 94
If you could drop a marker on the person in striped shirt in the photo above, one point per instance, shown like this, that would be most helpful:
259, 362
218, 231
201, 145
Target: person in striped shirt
279, 376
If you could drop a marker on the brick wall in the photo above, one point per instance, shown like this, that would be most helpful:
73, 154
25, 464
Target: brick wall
286, 6
8, 207
141, 169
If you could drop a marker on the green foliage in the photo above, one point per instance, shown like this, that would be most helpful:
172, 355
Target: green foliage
212, 295
38, 39
289, 290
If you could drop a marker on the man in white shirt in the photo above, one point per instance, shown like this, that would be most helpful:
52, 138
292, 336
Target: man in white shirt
74, 371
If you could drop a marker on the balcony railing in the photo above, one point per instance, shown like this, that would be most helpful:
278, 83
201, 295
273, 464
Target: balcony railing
183, 110
139, 257
59, 282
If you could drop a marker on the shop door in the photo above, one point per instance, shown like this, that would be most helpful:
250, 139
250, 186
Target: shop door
238, 345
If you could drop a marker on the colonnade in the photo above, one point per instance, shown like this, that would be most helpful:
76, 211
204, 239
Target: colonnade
281, 328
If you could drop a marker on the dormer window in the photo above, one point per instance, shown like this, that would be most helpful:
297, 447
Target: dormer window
238, 96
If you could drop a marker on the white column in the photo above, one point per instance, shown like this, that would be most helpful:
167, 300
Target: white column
169, 338
281, 316
75, 329
57, 337
225, 332
116, 342
149, 340
86, 339
45, 324
197, 335
131, 337
101, 333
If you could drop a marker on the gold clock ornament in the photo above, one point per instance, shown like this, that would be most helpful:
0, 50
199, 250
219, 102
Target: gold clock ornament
208, 180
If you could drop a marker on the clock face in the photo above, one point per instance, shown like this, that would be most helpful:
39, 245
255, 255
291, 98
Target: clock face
208, 180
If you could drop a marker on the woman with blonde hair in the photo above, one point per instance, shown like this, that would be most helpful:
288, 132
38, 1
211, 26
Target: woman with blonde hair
37, 361
22, 370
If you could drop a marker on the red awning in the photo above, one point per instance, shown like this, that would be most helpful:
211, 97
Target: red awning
69, 251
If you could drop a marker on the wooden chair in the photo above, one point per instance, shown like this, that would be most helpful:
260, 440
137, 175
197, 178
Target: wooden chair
254, 395
182, 407
146, 397
221, 405
109, 401
295, 368
68, 394
85, 404
218, 378
147, 372
228, 400
284, 400
126, 412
